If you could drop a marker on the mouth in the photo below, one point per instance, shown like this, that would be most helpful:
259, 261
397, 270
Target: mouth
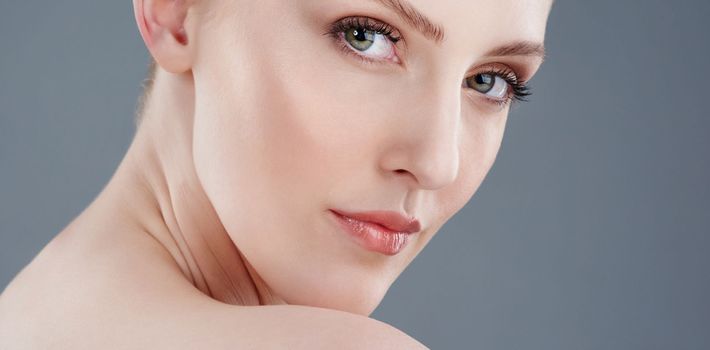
384, 232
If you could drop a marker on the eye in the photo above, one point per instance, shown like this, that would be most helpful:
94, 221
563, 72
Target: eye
369, 39
374, 41
489, 84
499, 86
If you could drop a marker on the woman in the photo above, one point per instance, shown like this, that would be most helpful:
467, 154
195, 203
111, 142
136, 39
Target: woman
292, 158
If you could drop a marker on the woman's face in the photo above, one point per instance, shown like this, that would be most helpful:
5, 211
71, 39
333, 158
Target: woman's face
291, 122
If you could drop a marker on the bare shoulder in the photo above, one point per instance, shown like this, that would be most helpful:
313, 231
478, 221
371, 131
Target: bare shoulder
300, 327
112, 301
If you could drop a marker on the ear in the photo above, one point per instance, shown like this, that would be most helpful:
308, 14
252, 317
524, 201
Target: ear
162, 26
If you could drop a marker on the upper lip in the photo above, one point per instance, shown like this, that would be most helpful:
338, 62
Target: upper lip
391, 220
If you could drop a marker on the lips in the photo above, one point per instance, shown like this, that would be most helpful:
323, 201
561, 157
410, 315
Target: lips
389, 220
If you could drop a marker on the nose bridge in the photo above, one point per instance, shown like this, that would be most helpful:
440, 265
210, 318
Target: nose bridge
430, 138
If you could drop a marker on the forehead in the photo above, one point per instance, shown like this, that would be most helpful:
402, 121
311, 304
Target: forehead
479, 21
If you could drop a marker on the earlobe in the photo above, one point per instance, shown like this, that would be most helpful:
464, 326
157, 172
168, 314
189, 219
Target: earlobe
161, 24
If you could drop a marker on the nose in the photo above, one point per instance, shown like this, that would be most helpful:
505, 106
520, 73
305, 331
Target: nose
425, 146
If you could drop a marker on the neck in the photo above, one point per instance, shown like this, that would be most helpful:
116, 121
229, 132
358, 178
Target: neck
156, 188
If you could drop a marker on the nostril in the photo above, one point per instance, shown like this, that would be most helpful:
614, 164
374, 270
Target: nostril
405, 172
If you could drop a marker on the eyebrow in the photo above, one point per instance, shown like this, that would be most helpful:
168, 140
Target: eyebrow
416, 19
519, 48
435, 32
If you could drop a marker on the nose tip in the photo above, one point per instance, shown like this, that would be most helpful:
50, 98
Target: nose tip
428, 161
430, 154
432, 172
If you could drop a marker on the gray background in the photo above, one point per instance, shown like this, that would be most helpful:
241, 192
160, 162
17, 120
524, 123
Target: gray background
590, 232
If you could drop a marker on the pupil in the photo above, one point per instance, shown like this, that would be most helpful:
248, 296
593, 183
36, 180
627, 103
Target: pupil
359, 35
484, 79
483, 82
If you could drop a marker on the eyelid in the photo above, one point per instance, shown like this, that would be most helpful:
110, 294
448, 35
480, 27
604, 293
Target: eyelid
364, 21
518, 88
389, 32
345, 47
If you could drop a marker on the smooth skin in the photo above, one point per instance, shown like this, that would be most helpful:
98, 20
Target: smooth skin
214, 230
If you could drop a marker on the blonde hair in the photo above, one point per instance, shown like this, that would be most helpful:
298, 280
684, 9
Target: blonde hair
147, 88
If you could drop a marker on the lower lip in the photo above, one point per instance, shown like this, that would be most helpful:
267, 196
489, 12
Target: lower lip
372, 236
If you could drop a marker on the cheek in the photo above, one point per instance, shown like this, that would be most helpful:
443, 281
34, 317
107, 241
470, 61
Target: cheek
479, 151
262, 119
259, 132
272, 134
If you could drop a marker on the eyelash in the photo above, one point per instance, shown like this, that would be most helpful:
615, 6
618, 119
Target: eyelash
519, 90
